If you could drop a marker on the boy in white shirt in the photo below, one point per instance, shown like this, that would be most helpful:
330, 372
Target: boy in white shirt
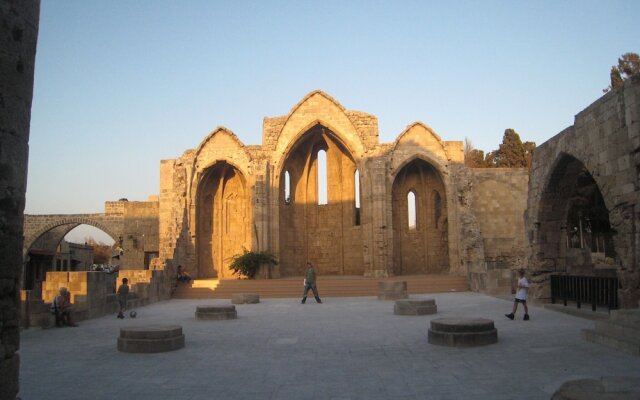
521, 297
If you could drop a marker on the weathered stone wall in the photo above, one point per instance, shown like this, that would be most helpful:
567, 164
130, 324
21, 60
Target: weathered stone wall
605, 140
469, 238
140, 233
499, 203
18, 36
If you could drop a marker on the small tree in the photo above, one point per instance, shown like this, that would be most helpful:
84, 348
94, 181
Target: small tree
628, 65
101, 251
249, 262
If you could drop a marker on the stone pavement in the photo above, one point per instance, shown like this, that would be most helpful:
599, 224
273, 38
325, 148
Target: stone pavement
346, 348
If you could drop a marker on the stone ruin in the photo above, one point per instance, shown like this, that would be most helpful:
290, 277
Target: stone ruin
583, 202
581, 198
224, 196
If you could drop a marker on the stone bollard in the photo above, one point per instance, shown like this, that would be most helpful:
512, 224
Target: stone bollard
392, 290
151, 339
216, 312
462, 332
245, 298
415, 307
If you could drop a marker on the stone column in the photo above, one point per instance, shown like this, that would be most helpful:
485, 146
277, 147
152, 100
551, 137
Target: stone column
380, 239
18, 36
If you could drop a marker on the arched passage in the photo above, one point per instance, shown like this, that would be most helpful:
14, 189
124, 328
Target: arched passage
324, 234
68, 222
574, 234
420, 241
49, 249
223, 219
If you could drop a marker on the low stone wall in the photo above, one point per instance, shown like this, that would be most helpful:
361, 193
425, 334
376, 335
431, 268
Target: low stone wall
93, 293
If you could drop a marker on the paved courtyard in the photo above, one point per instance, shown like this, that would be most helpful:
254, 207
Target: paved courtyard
346, 348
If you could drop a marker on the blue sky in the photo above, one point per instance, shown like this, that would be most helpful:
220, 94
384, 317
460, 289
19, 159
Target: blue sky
121, 85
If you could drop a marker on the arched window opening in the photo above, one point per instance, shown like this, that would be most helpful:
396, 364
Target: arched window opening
437, 207
356, 186
411, 209
322, 177
287, 188
587, 225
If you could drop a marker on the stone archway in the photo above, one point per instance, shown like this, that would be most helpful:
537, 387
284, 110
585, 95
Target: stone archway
574, 234
329, 235
223, 219
45, 233
38, 225
420, 237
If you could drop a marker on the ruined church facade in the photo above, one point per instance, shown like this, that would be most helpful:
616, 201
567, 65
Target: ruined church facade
321, 188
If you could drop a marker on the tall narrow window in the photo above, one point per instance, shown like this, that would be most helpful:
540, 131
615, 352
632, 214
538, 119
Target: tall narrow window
287, 188
322, 177
411, 209
356, 178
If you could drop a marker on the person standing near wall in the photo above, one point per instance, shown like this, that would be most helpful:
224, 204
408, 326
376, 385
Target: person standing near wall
123, 296
521, 297
310, 283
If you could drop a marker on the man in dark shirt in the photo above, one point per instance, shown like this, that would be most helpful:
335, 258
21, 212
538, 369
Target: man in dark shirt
310, 283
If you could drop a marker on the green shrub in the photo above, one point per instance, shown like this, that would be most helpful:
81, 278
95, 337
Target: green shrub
249, 262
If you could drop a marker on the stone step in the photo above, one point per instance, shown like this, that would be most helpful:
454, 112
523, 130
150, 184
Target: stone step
621, 329
327, 286
611, 341
631, 316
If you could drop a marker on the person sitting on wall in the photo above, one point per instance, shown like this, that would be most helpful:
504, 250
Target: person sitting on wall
183, 276
61, 308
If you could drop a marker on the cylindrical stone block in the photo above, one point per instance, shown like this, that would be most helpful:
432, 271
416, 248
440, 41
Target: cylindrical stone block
151, 339
462, 332
216, 312
415, 307
392, 290
245, 298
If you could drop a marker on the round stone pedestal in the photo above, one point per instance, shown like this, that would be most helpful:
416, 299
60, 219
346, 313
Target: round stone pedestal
415, 307
216, 312
462, 332
245, 298
151, 339
392, 290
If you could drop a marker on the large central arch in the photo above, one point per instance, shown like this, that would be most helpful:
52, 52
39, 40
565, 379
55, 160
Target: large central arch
223, 219
328, 234
574, 229
420, 222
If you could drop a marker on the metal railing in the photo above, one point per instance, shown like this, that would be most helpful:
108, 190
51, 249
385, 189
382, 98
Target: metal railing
594, 290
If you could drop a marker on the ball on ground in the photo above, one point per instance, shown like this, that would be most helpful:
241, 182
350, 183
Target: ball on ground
133, 314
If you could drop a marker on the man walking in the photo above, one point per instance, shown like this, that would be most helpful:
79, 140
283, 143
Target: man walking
310, 283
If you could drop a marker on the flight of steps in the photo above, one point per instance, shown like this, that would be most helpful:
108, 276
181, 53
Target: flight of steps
328, 286
621, 331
